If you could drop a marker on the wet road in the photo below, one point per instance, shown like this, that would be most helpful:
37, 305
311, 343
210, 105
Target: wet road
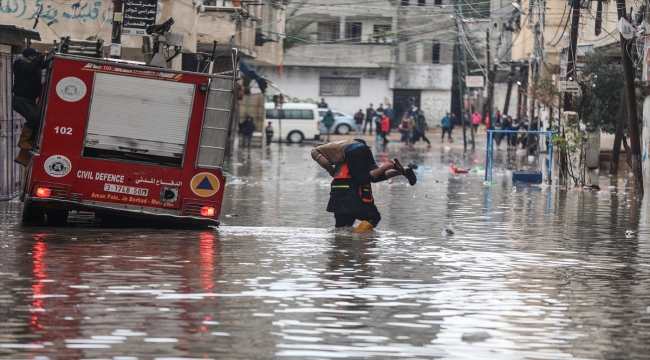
533, 272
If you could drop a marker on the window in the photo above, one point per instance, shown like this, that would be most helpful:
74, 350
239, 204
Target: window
290, 114
422, 2
328, 31
435, 53
340, 86
405, 2
381, 29
353, 32
437, 2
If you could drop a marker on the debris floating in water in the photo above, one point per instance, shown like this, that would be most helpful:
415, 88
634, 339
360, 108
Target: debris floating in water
456, 170
630, 234
476, 336
231, 215
449, 230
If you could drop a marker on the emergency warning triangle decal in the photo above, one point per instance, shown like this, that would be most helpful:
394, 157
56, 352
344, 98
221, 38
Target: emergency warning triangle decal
205, 184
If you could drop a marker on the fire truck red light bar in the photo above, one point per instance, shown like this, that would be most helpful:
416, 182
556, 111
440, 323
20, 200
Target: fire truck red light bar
207, 211
43, 192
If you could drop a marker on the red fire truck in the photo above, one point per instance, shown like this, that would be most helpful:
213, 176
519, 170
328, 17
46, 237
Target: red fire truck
129, 142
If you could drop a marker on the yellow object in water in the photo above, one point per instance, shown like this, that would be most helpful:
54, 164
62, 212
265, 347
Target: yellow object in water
363, 227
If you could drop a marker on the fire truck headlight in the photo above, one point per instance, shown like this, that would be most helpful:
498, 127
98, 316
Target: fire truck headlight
43, 192
207, 211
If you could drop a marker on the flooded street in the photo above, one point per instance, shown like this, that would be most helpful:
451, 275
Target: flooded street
532, 272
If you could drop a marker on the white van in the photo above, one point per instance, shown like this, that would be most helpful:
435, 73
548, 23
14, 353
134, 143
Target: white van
299, 122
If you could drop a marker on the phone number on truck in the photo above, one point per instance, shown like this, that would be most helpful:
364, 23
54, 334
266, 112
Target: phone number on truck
126, 190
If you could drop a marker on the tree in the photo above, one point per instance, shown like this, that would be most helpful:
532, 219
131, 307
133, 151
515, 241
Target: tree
599, 104
602, 87
296, 28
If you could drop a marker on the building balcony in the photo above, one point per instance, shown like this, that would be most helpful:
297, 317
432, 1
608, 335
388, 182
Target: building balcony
363, 55
252, 29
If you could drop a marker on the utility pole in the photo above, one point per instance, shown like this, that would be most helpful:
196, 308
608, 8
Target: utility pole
632, 121
469, 104
460, 76
511, 77
462, 93
490, 80
570, 64
459, 26
116, 31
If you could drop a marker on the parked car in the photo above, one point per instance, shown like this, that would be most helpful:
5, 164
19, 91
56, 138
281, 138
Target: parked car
343, 123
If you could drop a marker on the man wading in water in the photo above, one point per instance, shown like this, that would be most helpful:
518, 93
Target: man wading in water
351, 193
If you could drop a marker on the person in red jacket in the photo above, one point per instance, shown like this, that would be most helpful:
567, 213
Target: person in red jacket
385, 128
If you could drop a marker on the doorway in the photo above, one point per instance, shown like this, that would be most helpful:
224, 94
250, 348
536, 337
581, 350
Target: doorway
402, 100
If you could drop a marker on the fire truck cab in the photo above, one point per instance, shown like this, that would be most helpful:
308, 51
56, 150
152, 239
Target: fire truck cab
129, 142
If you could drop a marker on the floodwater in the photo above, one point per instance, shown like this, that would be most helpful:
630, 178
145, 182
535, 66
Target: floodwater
532, 272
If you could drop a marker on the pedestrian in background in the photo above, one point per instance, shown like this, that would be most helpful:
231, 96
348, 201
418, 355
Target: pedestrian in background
379, 115
506, 125
498, 136
358, 122
370, 116
513, 136
390, 112
269, 134
407, 126
247, 130
412, 111
328, 122
420, 129
476, 120
323, 104
380, 111
495, 117
385, 128
446, 127
522, 138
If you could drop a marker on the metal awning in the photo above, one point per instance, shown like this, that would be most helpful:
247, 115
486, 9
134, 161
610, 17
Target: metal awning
15, 35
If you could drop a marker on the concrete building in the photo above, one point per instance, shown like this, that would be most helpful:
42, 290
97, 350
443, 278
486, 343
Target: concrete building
251, 28
356, 54
542, 41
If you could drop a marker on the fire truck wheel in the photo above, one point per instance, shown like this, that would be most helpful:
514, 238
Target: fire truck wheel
56, 217
33, 215
295, 137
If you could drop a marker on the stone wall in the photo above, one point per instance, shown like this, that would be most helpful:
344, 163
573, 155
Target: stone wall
435, 103
423, 76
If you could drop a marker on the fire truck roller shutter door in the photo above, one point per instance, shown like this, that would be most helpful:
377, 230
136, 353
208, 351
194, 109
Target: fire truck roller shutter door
140, 122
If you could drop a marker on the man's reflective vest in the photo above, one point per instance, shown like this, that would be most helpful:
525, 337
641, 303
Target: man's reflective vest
343, 181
